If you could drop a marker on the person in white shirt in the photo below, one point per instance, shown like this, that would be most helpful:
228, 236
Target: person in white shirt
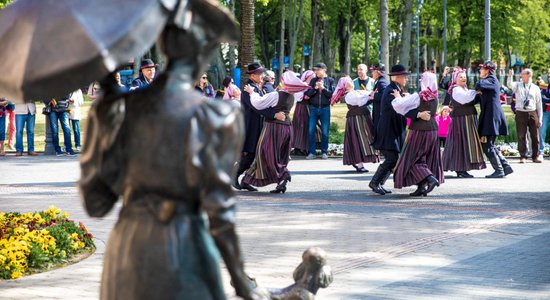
75, 101
359, 128
528, 113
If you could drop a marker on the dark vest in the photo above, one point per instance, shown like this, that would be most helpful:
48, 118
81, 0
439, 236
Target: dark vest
357, 110
284, 104
459, 110
421, 125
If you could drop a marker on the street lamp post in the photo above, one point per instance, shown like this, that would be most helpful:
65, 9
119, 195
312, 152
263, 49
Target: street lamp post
416, 24
444, 33
487, 30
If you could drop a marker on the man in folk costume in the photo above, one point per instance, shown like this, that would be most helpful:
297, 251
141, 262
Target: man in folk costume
300, 119
492, 121
253, 121
390, 133
380, 84
420, 160
273, 151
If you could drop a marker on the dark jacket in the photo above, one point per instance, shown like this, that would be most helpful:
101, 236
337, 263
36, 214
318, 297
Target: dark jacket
444, 83
390, 133
320, 99
268, 88
379, 88
545, 98
139, 82
253, 119
492, 121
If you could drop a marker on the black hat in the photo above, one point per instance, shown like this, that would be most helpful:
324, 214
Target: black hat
398, 70
379, 67
489, 65
147, 63
320, 66
255, 68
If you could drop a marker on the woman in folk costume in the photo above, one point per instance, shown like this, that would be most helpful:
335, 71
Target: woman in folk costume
359, 134
420, 160
463, 151
273, 150
300, 120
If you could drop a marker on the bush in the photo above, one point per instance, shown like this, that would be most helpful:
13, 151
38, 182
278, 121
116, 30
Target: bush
335, 136
39, 240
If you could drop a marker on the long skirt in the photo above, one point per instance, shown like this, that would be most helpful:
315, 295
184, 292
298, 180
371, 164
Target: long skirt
300, 127
272, 156
463, 150
147, 259
357, 141
420, 158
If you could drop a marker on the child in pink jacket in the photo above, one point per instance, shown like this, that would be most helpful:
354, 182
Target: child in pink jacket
443, 121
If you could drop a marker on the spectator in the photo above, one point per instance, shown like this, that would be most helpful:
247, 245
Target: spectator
443, 121
545, 118
231, 91
445, 82
60, 113
75, 101
319, 94
528, 113
5, 106
204, 87
147, 75
25, 114
94, 91
118, 79
268, 84
363, 82
10, 118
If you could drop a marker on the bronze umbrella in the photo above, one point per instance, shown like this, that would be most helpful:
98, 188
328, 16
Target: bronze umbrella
49, 48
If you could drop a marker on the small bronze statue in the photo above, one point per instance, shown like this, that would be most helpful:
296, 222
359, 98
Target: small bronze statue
309, 276
169, 154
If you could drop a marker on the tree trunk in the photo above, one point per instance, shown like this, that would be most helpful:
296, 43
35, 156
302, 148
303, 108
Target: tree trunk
367, 44
247, 37
232, 47
405, 53
384, 33
282, 40
328, 53
303, 66
347, 60
316, 38
295, 25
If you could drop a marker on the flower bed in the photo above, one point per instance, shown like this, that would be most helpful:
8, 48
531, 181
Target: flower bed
31, 242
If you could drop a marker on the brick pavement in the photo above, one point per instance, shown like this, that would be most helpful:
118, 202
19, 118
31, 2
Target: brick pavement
465, 240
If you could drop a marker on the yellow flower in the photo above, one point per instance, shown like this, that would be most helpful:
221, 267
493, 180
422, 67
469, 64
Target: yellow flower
15, 275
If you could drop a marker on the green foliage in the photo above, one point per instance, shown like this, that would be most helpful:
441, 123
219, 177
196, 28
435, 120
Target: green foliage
4, 3
336, 136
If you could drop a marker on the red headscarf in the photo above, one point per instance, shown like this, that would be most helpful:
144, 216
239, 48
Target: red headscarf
454, 78
340, 90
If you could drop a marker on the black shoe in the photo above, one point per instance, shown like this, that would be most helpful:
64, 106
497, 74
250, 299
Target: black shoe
375, 187
508, 170
463, 174
420, 191
361, 169
384, 189
432, 183
281, 187
496, 174
248, 187
236, 184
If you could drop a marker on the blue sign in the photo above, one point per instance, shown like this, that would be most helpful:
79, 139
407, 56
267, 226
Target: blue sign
275, 64
306, 50
286, 61
237, 77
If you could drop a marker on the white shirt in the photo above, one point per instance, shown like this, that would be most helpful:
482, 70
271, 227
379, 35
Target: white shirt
299, 96
74, 108
265, 101
406, 103
463, 95
529, 92
357, 97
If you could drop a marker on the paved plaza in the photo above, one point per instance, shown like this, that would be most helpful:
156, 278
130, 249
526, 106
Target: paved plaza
469, 239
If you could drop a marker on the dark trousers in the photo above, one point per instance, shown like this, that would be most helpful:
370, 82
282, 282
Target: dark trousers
524, 121
247, 158
385, 168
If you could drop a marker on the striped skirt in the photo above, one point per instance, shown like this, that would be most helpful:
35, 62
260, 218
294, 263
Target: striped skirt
300, 127
272, 156
420, 158
357, 141
463, 150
